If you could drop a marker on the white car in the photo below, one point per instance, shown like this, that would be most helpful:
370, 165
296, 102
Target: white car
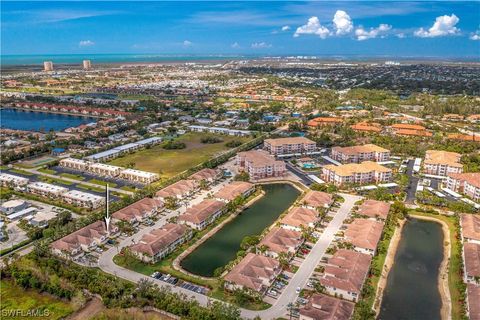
298, 290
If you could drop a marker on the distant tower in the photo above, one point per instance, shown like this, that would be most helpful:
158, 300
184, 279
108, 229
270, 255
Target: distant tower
87, 64
48, 66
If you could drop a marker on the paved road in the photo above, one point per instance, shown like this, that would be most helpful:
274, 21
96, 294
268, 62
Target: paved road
412, 183
303, 176
279, 308
75, 181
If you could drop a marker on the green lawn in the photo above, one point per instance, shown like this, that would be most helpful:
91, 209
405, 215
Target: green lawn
16, 298
47, 171
85, 187
128, 188
171, 162
20, 171
55, 180
102, 183
72, 176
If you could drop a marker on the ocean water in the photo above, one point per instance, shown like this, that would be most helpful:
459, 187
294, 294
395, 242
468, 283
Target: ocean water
10, 60
39, 121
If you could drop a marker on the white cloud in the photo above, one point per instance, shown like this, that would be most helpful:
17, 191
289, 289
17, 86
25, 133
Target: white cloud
86, 43
261, 45
475, 35
285, 28
313, 26
343, 23
235, 45
187, 43
400, 35
443, 26
363, 34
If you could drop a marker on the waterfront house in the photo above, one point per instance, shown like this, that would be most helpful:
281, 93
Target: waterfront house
138, 211
345, 274
374, 209
298, 218
254, 273
364, 235
201, 215
158, 243
208, 175
470, 224
234, 190
179, 190
317, 199
280, 240
323, 307
471, 254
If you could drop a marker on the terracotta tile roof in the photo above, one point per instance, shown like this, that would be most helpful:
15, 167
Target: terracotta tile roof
463, 137
471, 226
364, 233
367, 148
324, 120
205, 174
472, 259
253, 271
408, 126
473, 292
323, 307
300, 217
202, 211
233, 190
413, 132
317, 199
85, 236
472, 178
349, 169
346, 270
282, 240
259, 158
157, 240
363, 126
443, 157
179, 188
289, 140
137, 209
374, 208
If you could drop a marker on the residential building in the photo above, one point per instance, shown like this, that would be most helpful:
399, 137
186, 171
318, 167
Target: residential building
46, 189
317, 199
323, 307
364, 235
473, 298
87, 64
290, 146
470, 224
298, 218
280, 240
255, 273
84, 240
345, 274
47, 66
466, 183
179, 190
139, 176
324, 121
367, 127
471, 254
356, 173
83, 199
207, 175
259, 164
12, 206
441, 163
138, 211
10, 180
201, 215
374, 209
357, 154
234, 190
105, 170
75, 164
158, 243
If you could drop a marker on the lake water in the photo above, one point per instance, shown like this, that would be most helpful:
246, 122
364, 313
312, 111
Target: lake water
39, 121
412, 285
223, 246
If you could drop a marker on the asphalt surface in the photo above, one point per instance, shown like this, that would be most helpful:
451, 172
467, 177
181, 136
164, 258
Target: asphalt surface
412, 183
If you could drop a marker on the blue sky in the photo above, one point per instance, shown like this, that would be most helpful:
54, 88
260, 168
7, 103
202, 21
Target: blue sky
395, 28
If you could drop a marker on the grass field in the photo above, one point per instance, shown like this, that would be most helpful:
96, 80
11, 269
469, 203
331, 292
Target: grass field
16, 298
171, 162
54, 180
90, 188
102, 183
72, 176
47, 171
20, 171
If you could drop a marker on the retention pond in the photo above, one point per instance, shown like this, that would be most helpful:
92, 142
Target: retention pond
223, 246
412, 285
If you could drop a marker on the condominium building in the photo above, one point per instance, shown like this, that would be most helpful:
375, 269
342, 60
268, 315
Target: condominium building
470, 224
47, 66
280, 240
290, 146
75, 164
179, 190
374, 209
158, 243
361, 173
473, 296
10, 180
259, 164
87, 64
317, 199
208, 175
138, 211
323, 307
441, 163
233, 190
471, 257
46, 189
364, 235
139, 176
466, 183
254, 273
104, 170
298, 218
357, 154
201, 215
345, 274
83, 199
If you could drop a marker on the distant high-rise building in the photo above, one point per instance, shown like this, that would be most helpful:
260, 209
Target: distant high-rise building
48, 66
87, 64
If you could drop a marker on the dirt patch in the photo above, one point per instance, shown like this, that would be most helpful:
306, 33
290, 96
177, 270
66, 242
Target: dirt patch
93, 307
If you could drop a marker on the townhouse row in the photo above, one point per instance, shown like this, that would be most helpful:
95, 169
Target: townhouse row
470, 227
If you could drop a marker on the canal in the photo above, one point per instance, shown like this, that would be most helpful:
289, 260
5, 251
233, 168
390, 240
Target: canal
412, 285
223, 246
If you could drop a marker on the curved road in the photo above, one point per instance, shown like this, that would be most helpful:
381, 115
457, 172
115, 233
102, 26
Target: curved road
279, 307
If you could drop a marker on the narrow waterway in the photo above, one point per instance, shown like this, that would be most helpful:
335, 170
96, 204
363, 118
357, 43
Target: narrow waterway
222, 247
412, 285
